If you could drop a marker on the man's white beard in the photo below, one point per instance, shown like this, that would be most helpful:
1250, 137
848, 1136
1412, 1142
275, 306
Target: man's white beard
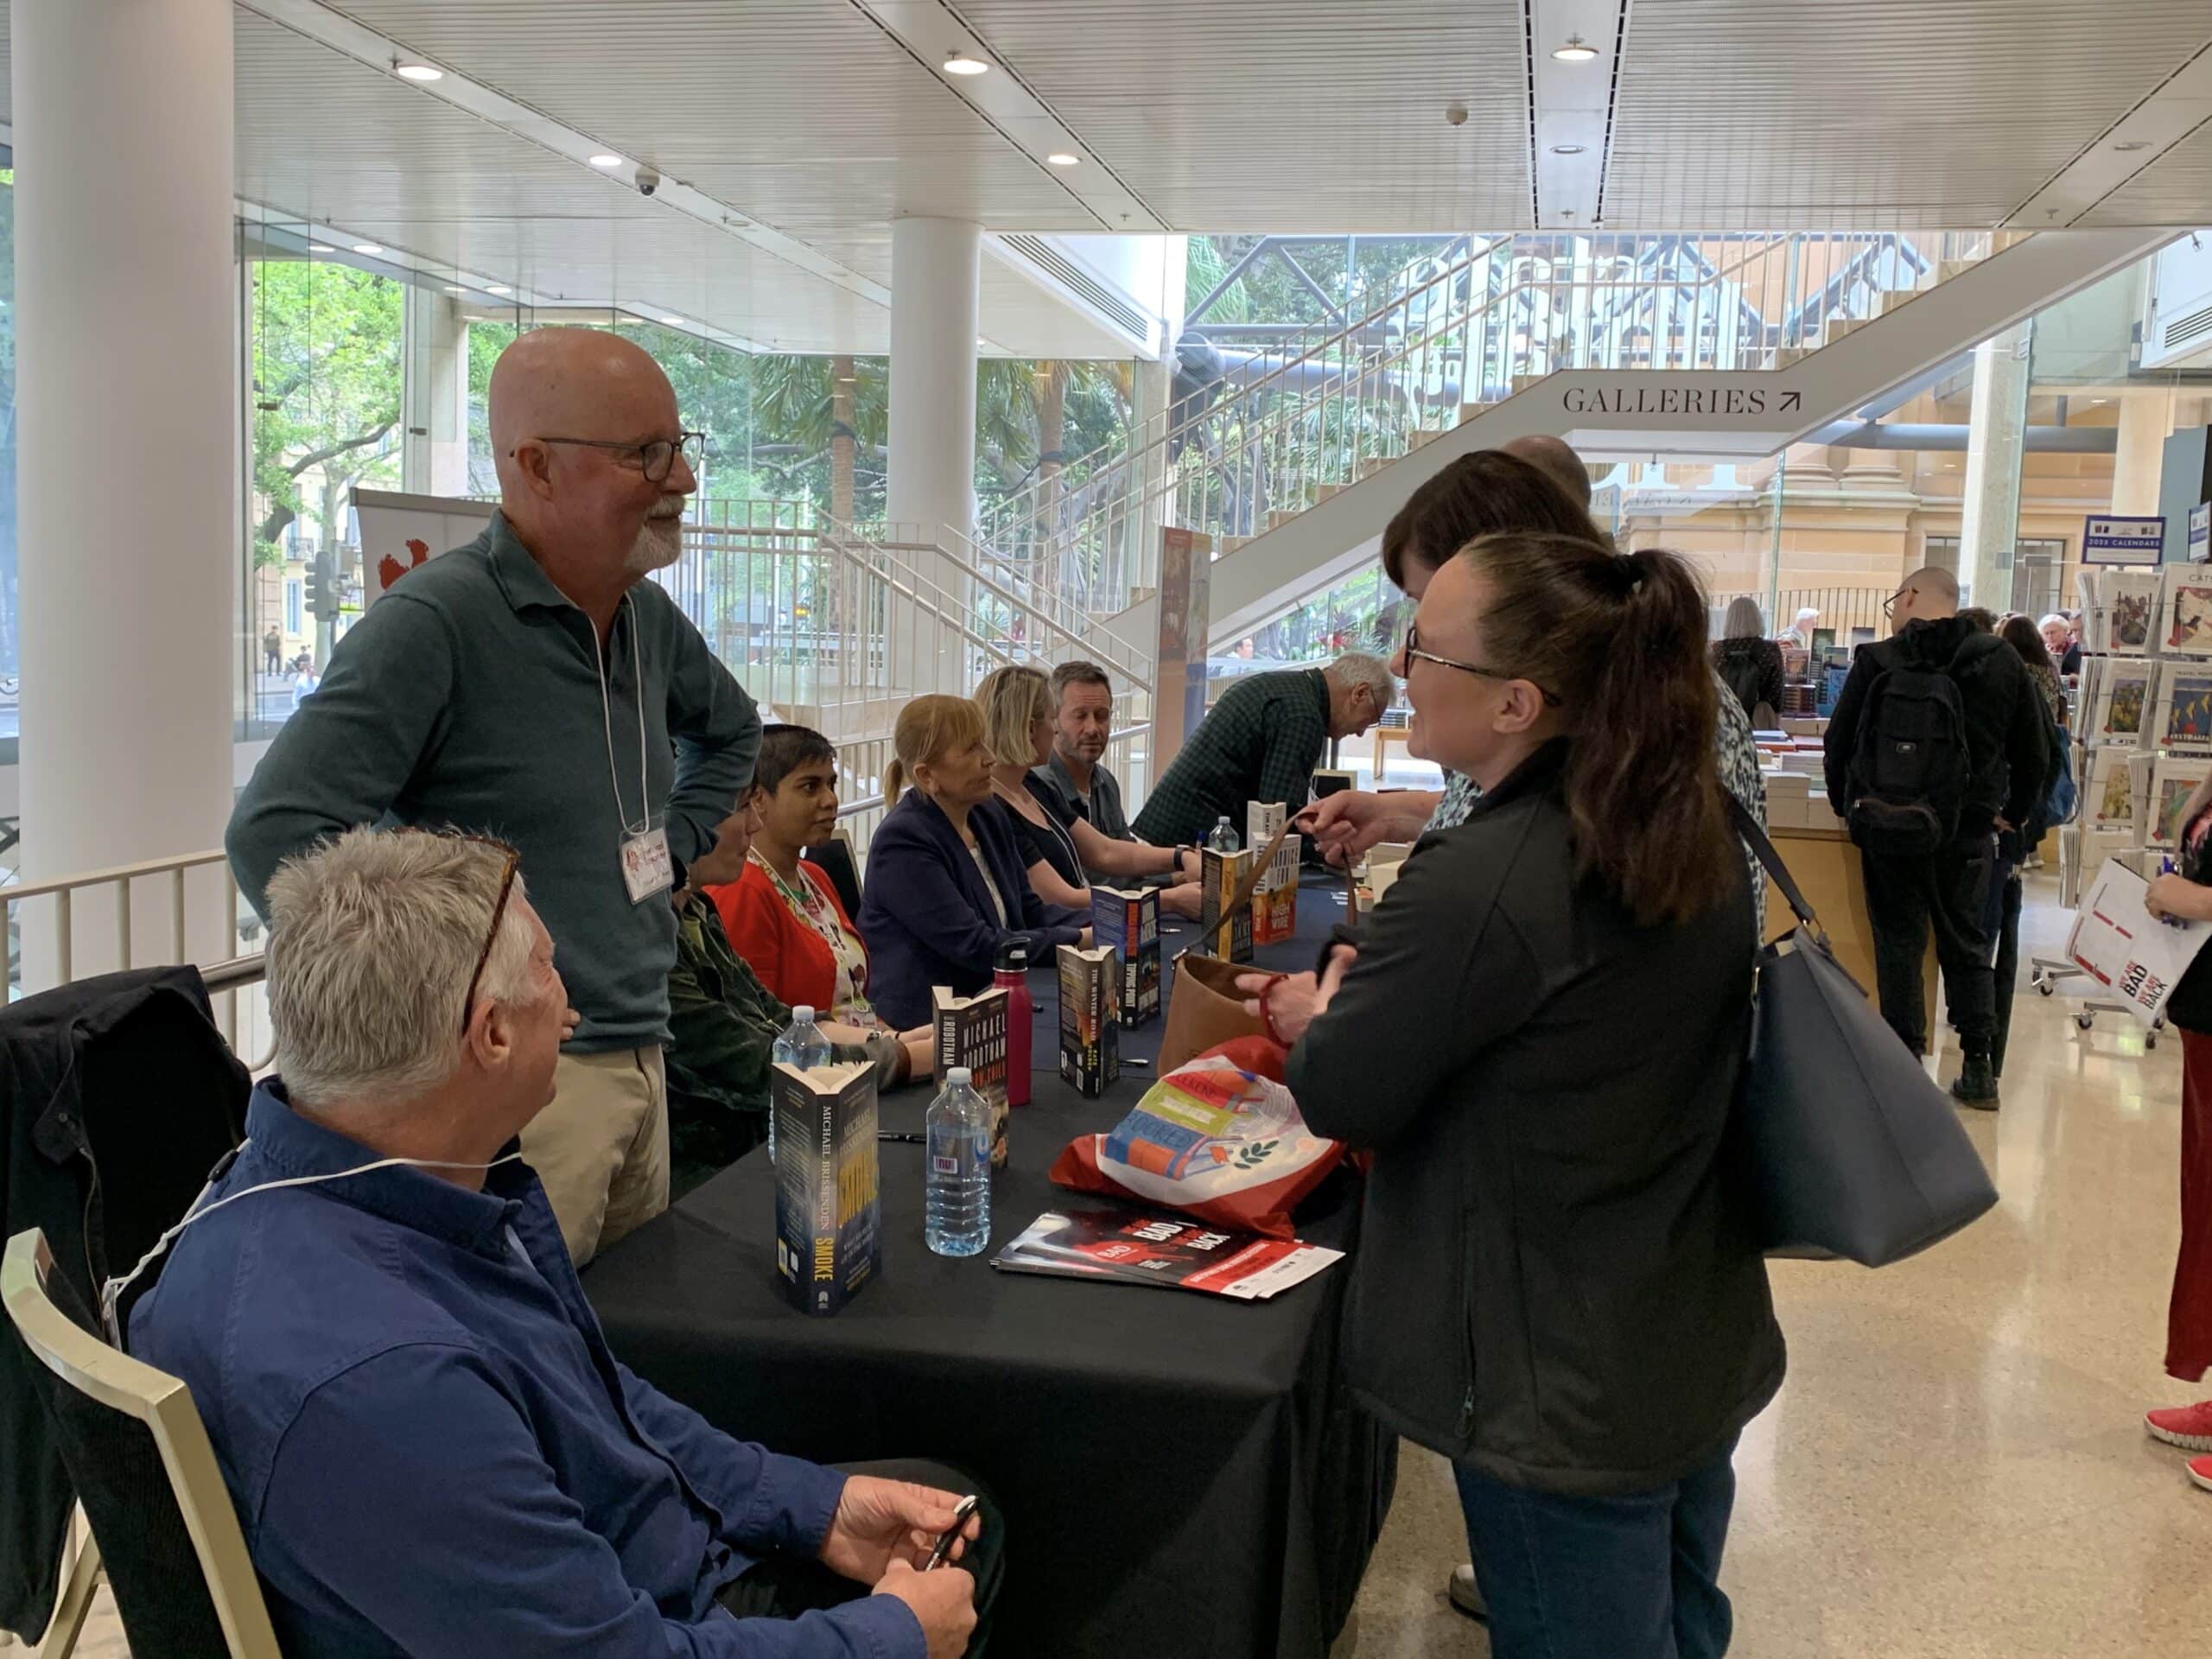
660, 545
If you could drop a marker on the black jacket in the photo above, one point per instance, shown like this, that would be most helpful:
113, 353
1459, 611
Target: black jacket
120, 1094
1555, 1281
2008, 751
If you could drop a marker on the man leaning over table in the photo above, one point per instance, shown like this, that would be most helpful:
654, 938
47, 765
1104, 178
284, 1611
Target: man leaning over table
431, 1450
536, 686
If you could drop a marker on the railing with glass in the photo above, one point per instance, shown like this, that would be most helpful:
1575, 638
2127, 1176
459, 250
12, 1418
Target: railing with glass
1244, 453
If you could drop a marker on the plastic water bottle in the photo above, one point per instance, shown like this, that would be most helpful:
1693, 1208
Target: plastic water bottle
957, 1204
800, 1044
1010, 973
1223, 839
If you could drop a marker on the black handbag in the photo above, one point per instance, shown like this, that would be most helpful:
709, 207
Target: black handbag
1849, 1148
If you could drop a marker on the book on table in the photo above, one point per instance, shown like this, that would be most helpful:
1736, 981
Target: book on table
1090, 1056
829, 1188
1126, 922
971, 1031
1137, 1247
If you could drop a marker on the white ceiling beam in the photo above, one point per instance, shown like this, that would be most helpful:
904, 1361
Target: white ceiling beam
932, 32
331, 29
2182, 104
1574, 107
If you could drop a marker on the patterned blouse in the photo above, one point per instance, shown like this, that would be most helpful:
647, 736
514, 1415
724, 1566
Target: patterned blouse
1739, 775
812, 906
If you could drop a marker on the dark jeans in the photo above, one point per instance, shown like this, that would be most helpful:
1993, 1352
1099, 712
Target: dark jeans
784, 1586
2005, 893
1603, 1578
1947, 890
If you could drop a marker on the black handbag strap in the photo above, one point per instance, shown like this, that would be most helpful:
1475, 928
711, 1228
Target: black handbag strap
1755, 837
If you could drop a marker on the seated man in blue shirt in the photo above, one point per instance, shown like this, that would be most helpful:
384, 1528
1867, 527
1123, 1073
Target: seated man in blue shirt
431, 1449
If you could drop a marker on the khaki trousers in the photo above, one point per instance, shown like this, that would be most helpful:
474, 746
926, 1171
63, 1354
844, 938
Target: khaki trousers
601, 1148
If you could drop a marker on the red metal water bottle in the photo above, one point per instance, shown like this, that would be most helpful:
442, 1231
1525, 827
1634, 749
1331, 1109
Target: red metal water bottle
1011, 974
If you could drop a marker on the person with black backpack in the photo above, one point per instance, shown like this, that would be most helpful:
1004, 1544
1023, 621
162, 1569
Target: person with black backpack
1935, 746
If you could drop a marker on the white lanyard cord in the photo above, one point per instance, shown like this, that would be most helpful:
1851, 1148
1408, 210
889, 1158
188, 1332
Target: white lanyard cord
606, 716
112, 1292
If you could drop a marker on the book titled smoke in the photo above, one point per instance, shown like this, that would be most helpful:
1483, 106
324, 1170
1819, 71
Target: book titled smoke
970, 1031
1225, 928
1090, 1056
1126, 922
829, 1192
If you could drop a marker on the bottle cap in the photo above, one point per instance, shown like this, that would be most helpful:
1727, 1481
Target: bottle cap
960, 1074
802, 1012
1014, 954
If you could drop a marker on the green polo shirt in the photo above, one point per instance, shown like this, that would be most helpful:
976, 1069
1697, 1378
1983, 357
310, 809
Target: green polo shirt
469, 698
1260, 742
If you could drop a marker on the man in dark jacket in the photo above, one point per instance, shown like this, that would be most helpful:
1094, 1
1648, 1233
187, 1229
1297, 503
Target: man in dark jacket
2003, 773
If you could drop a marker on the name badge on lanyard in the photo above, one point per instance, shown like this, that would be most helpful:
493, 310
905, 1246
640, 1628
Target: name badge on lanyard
646, 867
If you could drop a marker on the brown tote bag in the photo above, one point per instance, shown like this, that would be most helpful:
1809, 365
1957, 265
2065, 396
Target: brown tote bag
1205, 1007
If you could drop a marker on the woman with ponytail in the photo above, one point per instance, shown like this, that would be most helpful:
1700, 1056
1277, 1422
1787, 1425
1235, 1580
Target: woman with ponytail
1539, 1035
947, 882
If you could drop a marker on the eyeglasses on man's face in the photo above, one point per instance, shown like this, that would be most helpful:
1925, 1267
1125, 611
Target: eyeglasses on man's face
1413, 650
655, 457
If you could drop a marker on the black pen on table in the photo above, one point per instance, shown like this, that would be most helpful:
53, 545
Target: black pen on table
912, 1139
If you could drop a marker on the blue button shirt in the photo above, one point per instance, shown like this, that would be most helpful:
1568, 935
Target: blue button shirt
431, 1449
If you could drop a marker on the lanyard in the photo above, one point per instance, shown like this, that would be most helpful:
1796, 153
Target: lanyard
606, 714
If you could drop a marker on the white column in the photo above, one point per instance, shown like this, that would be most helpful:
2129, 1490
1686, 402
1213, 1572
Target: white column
434, 461
2139, 452
126, 322
1996, 442
929, 472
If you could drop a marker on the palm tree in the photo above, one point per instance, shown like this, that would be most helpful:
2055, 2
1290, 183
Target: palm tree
807, 410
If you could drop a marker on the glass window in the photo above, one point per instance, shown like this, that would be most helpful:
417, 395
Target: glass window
294, 604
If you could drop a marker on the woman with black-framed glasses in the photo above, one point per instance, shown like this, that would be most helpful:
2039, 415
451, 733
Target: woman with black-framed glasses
1539, 1035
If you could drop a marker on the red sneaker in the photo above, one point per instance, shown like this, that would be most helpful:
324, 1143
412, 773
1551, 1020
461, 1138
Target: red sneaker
2187, 1426
2200, 1471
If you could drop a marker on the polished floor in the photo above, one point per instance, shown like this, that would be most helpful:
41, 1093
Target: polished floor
1956, 1467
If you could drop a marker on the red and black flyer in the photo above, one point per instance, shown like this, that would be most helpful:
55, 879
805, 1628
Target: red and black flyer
1134, 1248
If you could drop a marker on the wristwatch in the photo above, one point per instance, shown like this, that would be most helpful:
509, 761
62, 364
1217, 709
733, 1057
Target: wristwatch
1182, 848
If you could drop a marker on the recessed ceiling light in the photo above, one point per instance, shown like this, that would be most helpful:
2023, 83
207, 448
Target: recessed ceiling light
1063, 158
980, 340
1577, 50
961, 64
673, 322
417, 72
499, 288
456, 288
366, 247
321, 247
1567, 149
607, 160
2132, 144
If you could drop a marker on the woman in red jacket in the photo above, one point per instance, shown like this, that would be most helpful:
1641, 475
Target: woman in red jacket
783, 916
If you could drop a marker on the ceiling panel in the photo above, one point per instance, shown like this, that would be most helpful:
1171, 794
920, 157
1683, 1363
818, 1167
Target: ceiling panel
1774, 114
1287, 114
801, 112
2176, 189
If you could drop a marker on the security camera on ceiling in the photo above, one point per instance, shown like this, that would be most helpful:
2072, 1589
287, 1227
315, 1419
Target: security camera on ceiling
1455, 115
648, 180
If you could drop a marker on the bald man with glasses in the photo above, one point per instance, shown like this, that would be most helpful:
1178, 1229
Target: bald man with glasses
535, 685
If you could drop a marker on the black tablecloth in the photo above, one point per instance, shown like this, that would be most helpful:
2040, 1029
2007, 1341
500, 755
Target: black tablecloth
1182, 1475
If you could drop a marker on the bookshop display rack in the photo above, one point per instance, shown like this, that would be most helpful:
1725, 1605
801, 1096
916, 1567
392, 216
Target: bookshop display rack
2142, 729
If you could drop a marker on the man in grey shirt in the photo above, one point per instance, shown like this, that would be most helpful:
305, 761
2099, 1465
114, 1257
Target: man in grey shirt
533, 686
1072, 785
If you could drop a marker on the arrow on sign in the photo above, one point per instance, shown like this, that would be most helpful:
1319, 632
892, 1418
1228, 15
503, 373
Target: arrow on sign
1789, 400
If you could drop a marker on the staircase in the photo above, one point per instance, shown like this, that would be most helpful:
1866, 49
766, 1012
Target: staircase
1250, 451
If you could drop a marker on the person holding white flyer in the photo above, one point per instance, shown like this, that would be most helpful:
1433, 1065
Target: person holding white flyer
2185, 894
